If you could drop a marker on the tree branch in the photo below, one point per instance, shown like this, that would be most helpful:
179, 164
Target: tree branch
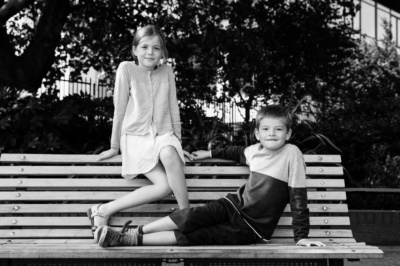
12, 7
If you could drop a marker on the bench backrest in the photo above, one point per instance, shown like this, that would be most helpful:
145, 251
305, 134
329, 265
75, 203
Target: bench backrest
45, 197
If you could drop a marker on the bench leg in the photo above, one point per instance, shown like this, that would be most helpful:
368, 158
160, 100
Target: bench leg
336, 262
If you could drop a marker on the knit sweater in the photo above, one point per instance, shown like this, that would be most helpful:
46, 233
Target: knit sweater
142, 97
276, 179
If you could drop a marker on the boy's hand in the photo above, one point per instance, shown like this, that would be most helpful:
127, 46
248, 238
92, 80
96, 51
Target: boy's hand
188, 155
198, 155
107, 154
308, 243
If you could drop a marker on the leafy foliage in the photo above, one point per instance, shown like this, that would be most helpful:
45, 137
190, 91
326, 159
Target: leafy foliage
255, 50
76, 124
366, 123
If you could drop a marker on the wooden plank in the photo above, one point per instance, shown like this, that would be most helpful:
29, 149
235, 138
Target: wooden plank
111, 195
113, 170
316, 233
73, 221
255, 246
92, 158
147, 208
82, 208
121, 183
86, 233
66, 241
91, 170
373, 190
148, 252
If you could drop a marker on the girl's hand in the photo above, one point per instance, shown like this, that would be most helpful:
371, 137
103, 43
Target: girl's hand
201, 154
188, 155
107, 154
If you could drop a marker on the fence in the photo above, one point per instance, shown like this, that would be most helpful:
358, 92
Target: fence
228, 112
87, 86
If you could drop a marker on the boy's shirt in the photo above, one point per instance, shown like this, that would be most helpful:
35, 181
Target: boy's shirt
276, 178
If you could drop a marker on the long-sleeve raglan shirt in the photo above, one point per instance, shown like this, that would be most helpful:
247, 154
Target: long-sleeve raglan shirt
276, 179
143, 97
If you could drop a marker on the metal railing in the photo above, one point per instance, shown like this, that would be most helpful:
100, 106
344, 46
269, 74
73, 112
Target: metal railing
87, 86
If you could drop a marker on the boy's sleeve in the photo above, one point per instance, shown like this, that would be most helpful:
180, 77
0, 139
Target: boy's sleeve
298, 198
235, 153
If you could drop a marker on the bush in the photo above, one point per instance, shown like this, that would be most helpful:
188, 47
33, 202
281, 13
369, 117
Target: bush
46, 124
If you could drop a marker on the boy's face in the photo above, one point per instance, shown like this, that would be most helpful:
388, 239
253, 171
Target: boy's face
272, 133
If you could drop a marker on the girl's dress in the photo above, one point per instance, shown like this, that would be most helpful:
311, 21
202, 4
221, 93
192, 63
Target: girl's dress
146, 117
140, 154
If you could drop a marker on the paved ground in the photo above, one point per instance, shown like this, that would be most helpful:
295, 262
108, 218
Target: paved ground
392, 258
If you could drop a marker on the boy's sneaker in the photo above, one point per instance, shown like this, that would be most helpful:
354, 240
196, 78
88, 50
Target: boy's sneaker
108, 236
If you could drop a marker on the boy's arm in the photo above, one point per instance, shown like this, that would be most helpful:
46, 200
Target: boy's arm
301, 218
298, 195
235, 153
300, 212
298, 201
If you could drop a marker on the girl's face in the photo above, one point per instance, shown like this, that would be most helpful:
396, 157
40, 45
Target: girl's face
148, 52
272, 133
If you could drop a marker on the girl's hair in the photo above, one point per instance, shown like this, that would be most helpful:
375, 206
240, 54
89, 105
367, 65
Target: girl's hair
274, 111
150, 31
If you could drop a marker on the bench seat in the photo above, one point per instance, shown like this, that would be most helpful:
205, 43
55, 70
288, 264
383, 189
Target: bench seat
44, 199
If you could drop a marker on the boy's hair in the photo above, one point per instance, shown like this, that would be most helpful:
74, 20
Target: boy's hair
274, 111
150, 31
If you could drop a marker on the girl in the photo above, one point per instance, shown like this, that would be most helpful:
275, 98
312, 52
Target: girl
146, 127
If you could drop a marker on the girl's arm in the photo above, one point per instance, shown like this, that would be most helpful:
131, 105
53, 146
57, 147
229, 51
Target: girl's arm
173, 104
121, 97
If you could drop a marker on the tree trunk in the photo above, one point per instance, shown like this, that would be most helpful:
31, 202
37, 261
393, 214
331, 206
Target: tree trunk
28, 70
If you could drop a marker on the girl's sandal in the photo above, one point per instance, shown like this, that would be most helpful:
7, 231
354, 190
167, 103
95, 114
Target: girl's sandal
96, 217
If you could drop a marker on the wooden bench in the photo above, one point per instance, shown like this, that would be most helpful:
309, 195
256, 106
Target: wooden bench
44, 199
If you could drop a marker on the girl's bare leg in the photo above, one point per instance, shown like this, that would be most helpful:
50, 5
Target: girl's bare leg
173, 166
158, 190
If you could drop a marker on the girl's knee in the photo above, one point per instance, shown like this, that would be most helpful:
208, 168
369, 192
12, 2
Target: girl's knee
169, 155
164, 189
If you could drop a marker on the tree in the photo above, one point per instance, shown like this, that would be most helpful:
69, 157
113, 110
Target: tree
256, 50
284, 50
23, 65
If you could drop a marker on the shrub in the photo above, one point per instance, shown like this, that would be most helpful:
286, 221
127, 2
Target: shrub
46, 124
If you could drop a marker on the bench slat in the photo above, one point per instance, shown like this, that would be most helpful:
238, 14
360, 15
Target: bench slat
82, 158
93, 183
119, 221
44, 199
86, 233
148, 208
111, 195
341, 241
116, 170
233, 252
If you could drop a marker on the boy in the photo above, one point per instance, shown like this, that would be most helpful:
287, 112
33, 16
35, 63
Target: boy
277, 176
